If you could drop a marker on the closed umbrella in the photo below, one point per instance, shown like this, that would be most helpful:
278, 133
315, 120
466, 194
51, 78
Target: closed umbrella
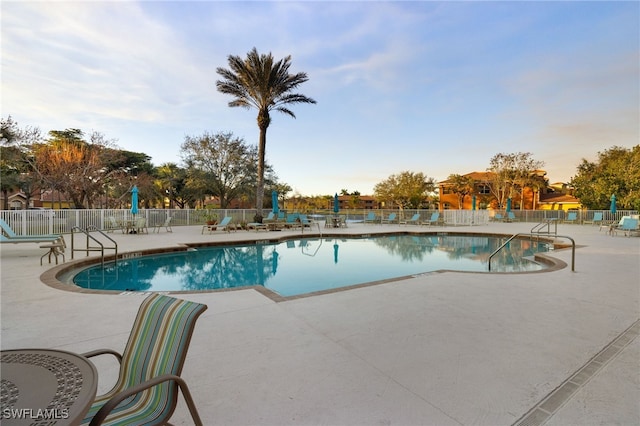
473, 202
336, 204
134, 200
274, 202
508, 205
612, 208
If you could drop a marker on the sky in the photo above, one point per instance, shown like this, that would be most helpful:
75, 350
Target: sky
419, 86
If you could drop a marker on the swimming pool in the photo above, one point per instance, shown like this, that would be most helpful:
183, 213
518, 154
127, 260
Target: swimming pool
305, 265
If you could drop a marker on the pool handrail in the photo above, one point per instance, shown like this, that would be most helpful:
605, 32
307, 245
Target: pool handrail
573, 247
89, 248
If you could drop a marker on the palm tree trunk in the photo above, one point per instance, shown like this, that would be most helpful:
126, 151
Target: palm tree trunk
260, 184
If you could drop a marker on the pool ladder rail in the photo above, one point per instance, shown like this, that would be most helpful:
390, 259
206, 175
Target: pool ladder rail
573, 246
99, 247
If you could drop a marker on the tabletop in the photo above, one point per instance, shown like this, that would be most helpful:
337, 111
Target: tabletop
45, 387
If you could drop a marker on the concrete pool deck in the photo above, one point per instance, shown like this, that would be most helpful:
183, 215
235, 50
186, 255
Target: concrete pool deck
558, 348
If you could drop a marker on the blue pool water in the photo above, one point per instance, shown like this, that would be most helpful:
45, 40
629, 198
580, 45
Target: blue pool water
306, 265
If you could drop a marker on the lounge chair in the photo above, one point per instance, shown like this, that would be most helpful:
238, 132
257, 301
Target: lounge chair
435, 216
12, 237
146, 391
292, 221
572, 217
304, 221
390, 219
627, 225
415, 220
166, 225
257, 226
511, 217
370, 218
596, 220
270, 217
224, 225
498, 217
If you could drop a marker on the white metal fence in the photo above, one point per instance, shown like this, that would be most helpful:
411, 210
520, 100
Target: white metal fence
34, 222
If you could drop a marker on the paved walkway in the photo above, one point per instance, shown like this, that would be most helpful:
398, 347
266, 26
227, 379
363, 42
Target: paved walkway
559, 348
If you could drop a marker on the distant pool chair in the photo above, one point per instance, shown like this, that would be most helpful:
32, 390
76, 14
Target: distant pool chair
146, 391
389, 219
415, 220
166, 225
435, 216
596, 220
572, 217
370, 218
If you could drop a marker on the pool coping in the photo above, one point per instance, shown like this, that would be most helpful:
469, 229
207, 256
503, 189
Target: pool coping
52, 276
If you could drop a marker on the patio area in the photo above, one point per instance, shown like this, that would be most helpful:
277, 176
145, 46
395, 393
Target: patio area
439, 349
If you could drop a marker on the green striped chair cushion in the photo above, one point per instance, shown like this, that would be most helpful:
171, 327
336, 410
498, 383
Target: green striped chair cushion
157, 345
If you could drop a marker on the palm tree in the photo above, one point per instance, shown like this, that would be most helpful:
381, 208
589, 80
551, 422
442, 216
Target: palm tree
261, 83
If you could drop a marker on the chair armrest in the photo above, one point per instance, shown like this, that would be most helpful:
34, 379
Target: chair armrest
103, 352
102, 414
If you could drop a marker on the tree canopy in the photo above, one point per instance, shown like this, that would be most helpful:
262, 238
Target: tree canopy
616, 171
405, 189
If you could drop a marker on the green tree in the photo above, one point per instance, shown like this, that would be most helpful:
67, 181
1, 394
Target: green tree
405, 190
259, 82
220, 164
617, 171
461, 186
15, 170
171, 181
510, 174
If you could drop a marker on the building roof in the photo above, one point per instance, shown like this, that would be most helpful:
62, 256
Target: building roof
556, 197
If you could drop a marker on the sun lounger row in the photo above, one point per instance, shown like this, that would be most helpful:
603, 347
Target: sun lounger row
392, 218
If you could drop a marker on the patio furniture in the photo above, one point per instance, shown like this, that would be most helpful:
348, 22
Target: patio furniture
12, 237
596, 220
141, 226
415, 220
627, 225
35, 380
55, 248
572, 217
224, 225
146, 391
435, 216
113, 224
389, 219
166, 225
370, 218
511, 217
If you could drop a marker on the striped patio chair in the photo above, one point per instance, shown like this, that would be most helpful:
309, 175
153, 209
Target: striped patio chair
146, 391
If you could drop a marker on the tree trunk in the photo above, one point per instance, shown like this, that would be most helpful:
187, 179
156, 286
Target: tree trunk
260, 184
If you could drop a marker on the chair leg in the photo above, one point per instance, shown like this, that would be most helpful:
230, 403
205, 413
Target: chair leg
189, 400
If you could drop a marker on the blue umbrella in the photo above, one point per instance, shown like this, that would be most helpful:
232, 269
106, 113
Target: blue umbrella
336, 204
274, 202
612, 208
508, 205
473, 202
134, 200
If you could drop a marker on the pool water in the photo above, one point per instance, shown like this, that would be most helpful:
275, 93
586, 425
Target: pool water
306, 265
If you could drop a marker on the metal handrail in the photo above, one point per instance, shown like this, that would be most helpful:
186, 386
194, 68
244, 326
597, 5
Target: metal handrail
93, 248
573, 247
547, 222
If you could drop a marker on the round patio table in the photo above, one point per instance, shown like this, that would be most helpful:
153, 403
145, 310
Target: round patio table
45, 387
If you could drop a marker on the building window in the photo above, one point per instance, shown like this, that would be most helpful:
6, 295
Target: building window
484, 189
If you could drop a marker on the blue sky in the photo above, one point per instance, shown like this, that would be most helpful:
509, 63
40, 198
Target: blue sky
431, 87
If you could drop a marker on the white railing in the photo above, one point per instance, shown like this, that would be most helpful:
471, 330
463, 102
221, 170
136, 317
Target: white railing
34, 222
